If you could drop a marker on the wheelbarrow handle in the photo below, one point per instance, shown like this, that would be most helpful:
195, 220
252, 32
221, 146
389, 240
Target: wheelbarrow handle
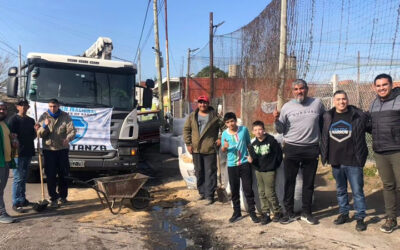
98, 192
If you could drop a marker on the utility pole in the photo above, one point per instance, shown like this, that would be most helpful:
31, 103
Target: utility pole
139, 67
358, 80
187, 83
21, 86
211, 57
187, 78
282, 55
335, 82
139, 90
158, 64
167, 57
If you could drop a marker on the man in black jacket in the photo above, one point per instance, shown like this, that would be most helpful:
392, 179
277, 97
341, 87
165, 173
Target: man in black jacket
385, 128
344, 147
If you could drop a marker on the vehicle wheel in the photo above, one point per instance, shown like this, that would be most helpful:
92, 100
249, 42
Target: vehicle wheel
141, 200
33, 176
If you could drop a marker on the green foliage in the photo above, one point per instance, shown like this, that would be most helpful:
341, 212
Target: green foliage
370, 171
218, 73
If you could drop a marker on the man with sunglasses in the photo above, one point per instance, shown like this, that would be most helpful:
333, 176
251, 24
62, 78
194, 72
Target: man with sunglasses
300, 123
200, 133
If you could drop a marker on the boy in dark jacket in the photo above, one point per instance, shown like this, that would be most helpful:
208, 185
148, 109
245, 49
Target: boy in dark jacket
266, 156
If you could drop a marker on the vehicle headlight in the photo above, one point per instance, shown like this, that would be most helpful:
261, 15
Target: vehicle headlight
128, 151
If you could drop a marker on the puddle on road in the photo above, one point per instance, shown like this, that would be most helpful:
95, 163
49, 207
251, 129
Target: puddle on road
170, 235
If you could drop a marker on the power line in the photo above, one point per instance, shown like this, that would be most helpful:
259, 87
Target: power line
119, 58
9, 46
151, 27
8, 52
141, 33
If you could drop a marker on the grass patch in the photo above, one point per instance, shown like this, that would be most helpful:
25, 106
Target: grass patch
370, 170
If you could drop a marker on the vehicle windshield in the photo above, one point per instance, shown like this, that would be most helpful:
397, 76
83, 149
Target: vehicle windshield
77, 87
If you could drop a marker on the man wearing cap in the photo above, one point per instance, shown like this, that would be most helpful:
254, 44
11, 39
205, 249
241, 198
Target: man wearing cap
7, 143
23, 126
200, 133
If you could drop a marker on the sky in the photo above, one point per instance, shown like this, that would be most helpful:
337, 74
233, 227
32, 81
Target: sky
70, 27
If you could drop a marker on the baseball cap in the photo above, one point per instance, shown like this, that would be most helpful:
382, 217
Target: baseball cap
203, 98
23, 102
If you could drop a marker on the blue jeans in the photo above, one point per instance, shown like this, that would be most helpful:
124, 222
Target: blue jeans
20, 177
355, 176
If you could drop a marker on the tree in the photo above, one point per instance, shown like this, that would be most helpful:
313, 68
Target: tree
218, 73
5, 62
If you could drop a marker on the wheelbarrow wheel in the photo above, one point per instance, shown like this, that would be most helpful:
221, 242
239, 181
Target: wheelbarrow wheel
141, 200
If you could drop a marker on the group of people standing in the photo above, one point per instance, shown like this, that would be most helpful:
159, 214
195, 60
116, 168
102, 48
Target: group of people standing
338, 135
56, 129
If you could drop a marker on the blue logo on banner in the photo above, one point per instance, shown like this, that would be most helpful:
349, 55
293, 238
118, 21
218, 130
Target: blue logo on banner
81, 127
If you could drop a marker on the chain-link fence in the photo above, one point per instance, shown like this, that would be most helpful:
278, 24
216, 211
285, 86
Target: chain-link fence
331, 44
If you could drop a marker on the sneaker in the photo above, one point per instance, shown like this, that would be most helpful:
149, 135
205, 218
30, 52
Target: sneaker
6, 219
235, 217
62, 201
308, 218
210, 201
18, 208
254, 217
265, 219
389, 225
277, 217
287, 218
361, 226
26, 203
341, 219
54, 204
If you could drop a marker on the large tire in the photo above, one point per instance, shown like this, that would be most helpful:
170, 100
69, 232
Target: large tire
33, 176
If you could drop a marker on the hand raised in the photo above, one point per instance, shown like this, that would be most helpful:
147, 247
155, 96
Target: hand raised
276, 114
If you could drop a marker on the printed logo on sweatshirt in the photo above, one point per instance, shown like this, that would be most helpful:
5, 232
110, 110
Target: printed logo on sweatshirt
262, 150
340, 131
303, 112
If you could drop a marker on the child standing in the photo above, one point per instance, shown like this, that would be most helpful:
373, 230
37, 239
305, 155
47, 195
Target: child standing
266, 157
235, 140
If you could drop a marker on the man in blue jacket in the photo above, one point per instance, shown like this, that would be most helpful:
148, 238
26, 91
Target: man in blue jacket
343, 146
385, 128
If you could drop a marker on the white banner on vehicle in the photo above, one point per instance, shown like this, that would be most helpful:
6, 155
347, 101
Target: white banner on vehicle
92, 126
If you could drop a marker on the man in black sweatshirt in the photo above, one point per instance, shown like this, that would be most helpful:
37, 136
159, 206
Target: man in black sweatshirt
266, 157
343, 146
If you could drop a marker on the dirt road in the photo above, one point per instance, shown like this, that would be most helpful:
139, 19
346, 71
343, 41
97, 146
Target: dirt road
176, 220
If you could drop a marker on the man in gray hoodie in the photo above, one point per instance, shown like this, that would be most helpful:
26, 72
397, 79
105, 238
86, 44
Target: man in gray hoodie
300, 123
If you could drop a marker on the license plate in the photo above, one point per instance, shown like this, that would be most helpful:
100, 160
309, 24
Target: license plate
77, 164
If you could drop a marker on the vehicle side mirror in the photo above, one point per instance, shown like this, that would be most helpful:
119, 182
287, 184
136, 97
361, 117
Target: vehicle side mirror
12, 82
147, 98
149, 83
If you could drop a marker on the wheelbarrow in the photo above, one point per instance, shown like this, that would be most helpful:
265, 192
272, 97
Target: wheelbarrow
110, 189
